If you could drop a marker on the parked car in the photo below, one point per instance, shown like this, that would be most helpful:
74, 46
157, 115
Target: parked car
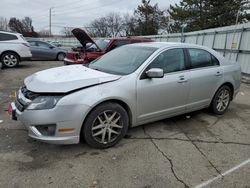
13, 49
46, 51
55, 43
129, 86
91, 49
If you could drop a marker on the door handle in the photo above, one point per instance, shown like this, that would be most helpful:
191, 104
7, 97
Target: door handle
182, 79
218, 73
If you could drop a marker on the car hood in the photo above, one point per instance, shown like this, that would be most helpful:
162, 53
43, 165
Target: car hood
83, 37
67, 78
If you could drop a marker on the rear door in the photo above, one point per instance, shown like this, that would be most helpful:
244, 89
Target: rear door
34, 49
162, 97
205, 77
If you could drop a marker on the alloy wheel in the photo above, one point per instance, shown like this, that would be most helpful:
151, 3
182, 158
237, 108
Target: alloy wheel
222, 100
10, 60
107, 127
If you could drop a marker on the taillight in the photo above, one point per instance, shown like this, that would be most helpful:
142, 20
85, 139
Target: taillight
26, 44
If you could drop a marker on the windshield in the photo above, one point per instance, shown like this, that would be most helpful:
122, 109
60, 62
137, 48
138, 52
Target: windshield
102, 43
123, 60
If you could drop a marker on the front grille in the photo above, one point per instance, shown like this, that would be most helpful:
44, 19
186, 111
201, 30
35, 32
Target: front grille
28, 94
19, 106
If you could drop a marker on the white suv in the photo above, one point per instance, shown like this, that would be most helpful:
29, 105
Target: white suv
13, 49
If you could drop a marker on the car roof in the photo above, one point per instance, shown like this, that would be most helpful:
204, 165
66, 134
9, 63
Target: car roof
160, 45
13, 33
35, 40
128, 39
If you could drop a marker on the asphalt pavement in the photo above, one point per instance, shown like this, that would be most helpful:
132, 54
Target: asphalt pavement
198, 149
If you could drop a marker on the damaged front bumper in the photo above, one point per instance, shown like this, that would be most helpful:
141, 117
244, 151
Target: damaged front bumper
60, 125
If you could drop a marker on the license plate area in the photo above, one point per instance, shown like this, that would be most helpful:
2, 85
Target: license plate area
12, 111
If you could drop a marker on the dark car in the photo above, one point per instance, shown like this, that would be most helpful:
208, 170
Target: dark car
90, 49
46, 51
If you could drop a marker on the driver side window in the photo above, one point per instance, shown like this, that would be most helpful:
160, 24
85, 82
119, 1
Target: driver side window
170, 61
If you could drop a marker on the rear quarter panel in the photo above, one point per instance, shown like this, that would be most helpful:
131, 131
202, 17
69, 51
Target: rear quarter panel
232, 74
15, 46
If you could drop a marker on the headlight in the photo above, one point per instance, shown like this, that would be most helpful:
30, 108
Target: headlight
44, 102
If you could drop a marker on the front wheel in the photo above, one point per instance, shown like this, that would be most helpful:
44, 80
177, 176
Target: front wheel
106, 125
10, 59
221, 100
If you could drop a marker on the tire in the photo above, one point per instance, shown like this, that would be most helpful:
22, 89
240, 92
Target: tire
105, 126
221, 100
10, 59
61, 56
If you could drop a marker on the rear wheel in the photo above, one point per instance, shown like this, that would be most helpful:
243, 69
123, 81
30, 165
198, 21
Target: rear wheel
221, 100
61, 56
105, 126
10, 59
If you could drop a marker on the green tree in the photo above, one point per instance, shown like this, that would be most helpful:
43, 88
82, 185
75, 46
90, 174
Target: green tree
204, 14
148, 19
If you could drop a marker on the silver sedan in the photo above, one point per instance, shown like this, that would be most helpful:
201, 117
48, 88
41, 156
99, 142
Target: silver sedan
46, 51
129, 86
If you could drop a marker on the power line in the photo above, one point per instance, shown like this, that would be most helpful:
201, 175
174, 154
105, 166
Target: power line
85, 10
67, 4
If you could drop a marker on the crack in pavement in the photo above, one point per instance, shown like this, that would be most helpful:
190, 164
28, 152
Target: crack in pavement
203, 154
189, 140
166, 157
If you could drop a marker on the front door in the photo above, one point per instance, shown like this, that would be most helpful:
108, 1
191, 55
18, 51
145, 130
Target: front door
46, 51
158, 98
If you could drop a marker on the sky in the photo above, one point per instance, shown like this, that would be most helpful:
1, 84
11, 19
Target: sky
69, 13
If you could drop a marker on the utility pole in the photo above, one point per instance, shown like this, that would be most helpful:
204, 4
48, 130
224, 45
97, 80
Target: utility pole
50, 22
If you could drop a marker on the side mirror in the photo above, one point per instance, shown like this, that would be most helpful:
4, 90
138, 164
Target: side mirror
51, 47
155, 73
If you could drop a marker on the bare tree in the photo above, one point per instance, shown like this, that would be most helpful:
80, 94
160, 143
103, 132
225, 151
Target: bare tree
98, 28
110, 25
67, 31
4, 24
27, 24
115, 25
23, 26
16, 25
129, 24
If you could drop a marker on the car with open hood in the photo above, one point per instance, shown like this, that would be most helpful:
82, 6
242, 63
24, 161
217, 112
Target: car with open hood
93, 49
129, 86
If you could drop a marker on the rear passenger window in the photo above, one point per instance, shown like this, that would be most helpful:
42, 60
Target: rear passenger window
201, 58
5, 37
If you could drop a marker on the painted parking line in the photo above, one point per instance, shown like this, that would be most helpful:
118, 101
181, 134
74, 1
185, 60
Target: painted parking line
223, 174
